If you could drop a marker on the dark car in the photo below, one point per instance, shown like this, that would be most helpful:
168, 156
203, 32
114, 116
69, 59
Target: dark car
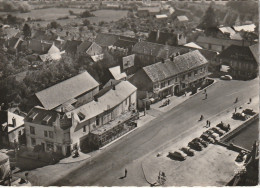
188, 151
212, 134
240, 116
207, 138
249, 112
223, 126
218, 131
195, 145
201, 141
177, 155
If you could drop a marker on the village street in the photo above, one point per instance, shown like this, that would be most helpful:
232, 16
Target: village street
106, 168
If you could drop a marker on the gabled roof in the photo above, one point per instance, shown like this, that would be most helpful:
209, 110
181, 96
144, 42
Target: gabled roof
122, 43
157, 50
163, 38
105, 39
66, 90
242, 53
10, 32
182, 18
84, 46
192, 45
111, 82
227, 30
71, 46
53, 50
7, 120
116, 73
161, 71
108, 100
39, 46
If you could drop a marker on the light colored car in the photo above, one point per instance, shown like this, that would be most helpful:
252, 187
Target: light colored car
226, 77
180, 155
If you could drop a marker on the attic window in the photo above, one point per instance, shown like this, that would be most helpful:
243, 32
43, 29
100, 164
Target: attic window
46, 119
33, 116
81, 116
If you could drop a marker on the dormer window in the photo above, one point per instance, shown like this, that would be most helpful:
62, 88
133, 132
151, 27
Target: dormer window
33, 116
81, 116
46, 120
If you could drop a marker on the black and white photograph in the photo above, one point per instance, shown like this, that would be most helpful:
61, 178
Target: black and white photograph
119, 93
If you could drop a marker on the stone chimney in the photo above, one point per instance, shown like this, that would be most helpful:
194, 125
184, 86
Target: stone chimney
14, 121
158, 35
96, 98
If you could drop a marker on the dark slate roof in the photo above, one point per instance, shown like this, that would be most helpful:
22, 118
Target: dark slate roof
39, 46
124, 43
161, 71
157, 50
221, 41
238, 53
71, 46
84, 46
105, 39
163, 37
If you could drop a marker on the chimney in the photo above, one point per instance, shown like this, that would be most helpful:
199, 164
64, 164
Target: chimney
14, 122
158, 35
167, 53
96, 98
114, 87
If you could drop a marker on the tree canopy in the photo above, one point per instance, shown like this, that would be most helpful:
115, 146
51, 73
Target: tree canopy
209, 20
27, 31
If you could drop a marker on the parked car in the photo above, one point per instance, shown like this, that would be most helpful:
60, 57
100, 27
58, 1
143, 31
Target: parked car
240, 116
218, 131
207, 138
226, 77
249, 112
201, 141
179, 155
212, 133
188, 151
195, 145
223, 126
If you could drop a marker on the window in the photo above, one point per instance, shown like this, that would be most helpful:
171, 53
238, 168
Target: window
20, 133
183, 77
195, 72
50, 134
183, 85
33, 141
84, 129
32, 130
169, 82
162, 84
97, 120
45, 134
189, 74
49, 146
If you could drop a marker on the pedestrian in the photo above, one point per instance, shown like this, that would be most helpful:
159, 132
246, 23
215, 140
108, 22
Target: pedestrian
236, 100
235, 109
125, 172
205, 91
209, 123
206, 96
185, 93
250, 100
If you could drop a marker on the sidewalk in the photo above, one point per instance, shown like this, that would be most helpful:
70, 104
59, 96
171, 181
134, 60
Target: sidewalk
70, 159
175, 101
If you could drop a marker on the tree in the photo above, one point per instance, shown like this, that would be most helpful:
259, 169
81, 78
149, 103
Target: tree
27, 31
54, 25
86, 14
86, 22
209, 20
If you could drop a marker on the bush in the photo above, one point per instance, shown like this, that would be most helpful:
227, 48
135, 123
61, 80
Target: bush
86, 14
86, 22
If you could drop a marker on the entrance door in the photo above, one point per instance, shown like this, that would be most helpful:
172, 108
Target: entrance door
176, 90
43, 146
68, 151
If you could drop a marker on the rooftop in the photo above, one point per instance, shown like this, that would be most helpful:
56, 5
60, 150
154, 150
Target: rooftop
66, 90
116, 73
248, 28
182, 18
7, 120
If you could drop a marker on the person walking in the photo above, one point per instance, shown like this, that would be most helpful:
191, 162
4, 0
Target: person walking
205, 91
209, 123
235, 109
206, 96
125, 172
250, 100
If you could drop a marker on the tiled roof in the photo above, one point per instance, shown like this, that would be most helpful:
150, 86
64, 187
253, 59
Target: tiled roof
66, 90
71, 46
163, 37
157, 50
243, 53
160, 71
124, 43
10, 32
108, 100
39, 46
227, 30
220, 41
39, 114
105, 39
84, 46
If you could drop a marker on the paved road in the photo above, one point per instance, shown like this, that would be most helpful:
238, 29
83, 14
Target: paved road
102, 169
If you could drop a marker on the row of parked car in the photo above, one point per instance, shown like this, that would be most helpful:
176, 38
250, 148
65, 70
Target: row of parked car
197, 144
244, 115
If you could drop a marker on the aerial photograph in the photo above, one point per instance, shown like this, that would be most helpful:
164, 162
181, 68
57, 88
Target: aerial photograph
129, 93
